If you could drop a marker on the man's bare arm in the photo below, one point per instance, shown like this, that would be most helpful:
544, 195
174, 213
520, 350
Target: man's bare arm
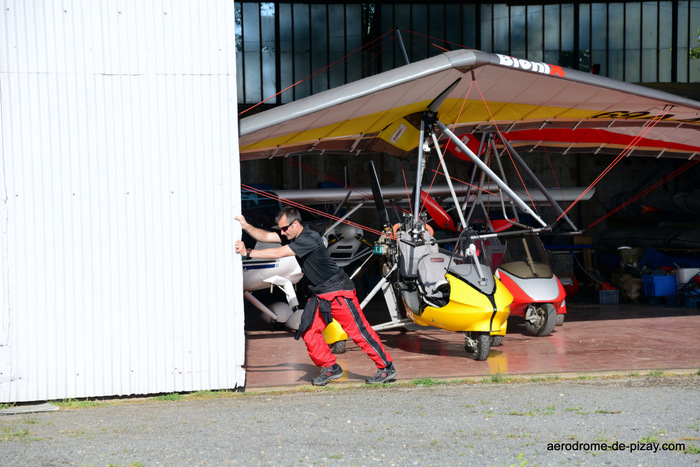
258, 234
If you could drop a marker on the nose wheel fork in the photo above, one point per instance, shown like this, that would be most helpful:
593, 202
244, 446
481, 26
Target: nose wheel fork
540, 319
477, 345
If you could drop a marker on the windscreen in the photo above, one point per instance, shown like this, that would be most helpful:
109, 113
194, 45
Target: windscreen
470, 263
525, 257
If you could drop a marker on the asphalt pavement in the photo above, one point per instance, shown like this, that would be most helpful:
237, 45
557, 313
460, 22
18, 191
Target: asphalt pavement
627, 419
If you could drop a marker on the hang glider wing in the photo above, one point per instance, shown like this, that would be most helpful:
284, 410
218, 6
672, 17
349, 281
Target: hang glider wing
532, 104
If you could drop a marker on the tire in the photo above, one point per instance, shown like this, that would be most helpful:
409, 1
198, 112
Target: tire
338, 347
545, 321
496, 341
560, 319
481, 351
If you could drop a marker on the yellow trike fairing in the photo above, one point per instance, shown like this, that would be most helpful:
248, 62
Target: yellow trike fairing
469, 309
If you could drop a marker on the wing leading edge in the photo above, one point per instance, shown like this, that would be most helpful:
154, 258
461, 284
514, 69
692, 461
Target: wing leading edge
531, 103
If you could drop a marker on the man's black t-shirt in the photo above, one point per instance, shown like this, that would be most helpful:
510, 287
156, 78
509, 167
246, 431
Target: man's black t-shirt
313, 256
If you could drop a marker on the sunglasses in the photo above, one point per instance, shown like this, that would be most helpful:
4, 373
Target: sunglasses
286, 227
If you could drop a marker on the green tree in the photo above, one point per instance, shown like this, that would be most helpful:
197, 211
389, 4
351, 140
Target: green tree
695, 51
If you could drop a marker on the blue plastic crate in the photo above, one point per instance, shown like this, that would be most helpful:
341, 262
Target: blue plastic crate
609, 297
659, 286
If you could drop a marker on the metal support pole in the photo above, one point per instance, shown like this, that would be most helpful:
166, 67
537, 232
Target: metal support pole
489, 172
259, 305
544, 190
467, 198
349, 213
377, 287
402, 47
449, 181
492, 143
419, 172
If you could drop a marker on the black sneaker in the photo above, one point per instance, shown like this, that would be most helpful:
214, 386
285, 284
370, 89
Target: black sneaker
327, 374
384, 375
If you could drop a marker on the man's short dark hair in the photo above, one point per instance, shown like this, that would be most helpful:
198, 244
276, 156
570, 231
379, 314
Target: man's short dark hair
290, 213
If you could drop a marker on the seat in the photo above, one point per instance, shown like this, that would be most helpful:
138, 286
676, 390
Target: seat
432, 281
410, 255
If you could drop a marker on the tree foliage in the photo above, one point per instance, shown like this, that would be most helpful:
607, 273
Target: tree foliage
695, 51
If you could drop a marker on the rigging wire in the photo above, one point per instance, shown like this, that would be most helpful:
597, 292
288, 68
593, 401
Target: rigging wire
382, 42
323, 175
677, 172
432, 182
461, 110
317, 212
648, 126
429, 39
416, 38
405, 184
374, 57
444, 150
556, 179
342, 59
498, 130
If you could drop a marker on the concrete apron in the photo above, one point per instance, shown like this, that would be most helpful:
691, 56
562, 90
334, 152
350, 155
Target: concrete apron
624, 338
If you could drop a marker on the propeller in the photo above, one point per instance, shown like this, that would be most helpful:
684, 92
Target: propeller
437, 102
337, 211
378, 197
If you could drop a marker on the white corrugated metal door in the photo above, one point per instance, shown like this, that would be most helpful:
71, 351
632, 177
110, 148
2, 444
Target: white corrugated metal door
119, 179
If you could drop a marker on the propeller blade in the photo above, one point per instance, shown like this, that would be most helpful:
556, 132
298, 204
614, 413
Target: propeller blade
335, 214
437, 102
378, 197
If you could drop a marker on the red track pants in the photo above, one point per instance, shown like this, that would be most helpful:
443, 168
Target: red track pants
346, 311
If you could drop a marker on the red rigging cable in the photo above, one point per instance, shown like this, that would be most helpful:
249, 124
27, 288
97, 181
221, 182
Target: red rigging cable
374, 57
438, 47
382, 41
461, 110
320, 174
648, 125
556, 179
369, 45
646, 191
317, 172
449, 141
432, 182
405, 184
498, 130
429, 39
267, 194
416, 38
455, 179
416, 46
